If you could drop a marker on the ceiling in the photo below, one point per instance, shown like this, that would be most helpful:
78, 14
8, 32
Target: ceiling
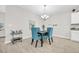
50, 9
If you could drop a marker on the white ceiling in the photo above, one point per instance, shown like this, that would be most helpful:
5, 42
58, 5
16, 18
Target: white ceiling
50, 9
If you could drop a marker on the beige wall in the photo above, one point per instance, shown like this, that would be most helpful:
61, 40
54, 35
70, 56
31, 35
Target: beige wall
63, 24
2, 20
18, 18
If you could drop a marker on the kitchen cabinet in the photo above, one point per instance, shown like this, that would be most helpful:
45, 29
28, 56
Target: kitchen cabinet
75, 18
75, 26
75, 35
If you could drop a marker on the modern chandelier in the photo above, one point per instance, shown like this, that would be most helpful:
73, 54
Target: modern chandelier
44, 16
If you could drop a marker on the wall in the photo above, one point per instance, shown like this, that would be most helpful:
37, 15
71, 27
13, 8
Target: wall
62, 22
2, 20
18, 18
2, 8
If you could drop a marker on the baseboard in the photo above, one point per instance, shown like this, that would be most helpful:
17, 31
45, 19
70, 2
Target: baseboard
61, 36
75, 41
30, 37
27, 37
2, 36
7, 42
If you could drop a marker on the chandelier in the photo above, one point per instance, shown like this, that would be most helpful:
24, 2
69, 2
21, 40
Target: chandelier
44, 16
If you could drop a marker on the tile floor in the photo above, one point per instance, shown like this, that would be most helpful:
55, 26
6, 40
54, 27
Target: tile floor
60, 45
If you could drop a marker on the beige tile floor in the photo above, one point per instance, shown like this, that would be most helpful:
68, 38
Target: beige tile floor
60, 45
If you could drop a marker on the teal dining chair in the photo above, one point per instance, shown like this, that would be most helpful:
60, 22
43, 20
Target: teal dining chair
49, 34
35, 35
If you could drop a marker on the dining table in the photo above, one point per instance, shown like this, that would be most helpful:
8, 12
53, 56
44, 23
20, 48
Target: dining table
42, 33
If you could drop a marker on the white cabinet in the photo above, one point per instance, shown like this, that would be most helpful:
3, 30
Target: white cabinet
75, 26
75, 35
75, 18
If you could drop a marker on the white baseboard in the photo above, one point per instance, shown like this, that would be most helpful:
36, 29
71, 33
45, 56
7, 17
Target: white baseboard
26, 37
61, 36
7, 42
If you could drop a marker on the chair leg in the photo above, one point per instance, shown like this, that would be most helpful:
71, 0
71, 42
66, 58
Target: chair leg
32, 41
52, 39
49, 41
36, 43
41, 43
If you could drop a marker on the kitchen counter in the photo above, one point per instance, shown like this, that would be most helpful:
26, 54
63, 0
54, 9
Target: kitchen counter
75, 29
